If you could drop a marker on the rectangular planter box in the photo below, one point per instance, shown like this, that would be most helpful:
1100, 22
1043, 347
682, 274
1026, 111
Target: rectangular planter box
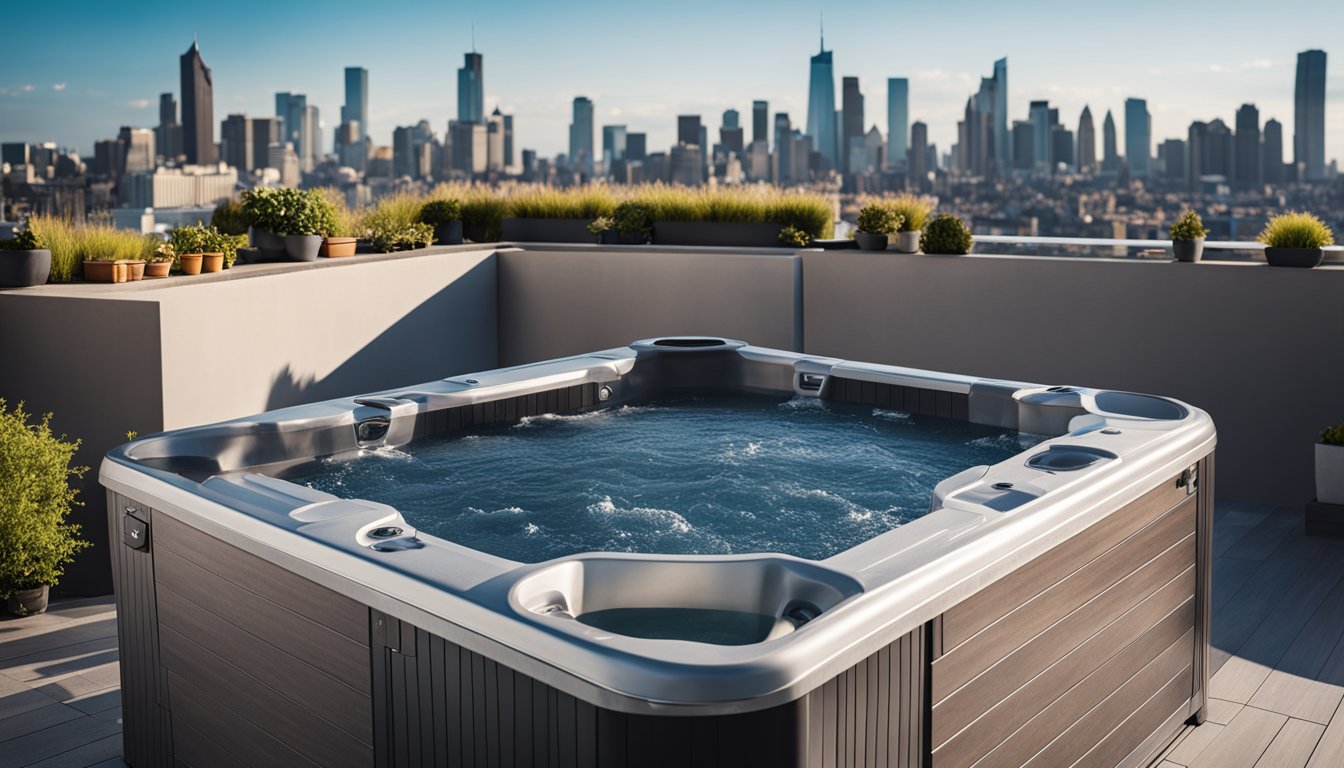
548, 230
720, 233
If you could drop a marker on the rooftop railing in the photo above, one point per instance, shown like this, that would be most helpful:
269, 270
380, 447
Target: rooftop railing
1099, 247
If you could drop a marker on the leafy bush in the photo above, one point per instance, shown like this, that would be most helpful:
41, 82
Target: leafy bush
1296, 230
289, 211
193, 238
946, 234
633, 217
263, 209
1189, 227
878, 219
36, 541
163, 252
599, 225
439, 211
392, 236
913, 210
795, 237
229, 218
1333, 435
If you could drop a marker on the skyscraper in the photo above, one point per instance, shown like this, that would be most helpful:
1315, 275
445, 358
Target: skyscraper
821, 105
1309, 115
613, 146
1138, 137
471, 90
198, 108
265, 132
1087, 141
1039, 114
356, 108
688, 129
1110, 158
1002, 150
169, 133
235, 143
898, 119
851, 119
917, 156
581, 136
731, 119
1271, 153
760, 121
1246, 170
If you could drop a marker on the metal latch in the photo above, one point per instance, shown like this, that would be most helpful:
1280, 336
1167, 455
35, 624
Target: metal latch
1189, 480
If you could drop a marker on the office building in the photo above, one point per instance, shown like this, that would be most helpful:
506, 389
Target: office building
1172, 154
471, 89
1246, 169
139, 155
508, 141
494, 143
282, 157
356, 107
109, 157
235, 143
898, 119
760, 121
1271, 153
198, 108
919, 152
1138, 137
821, 106
192, 186
688, 129
1110, 157
1003, 153
1041, 129
265, 132
687, 165
1061, 147
636, 146
1087, 142
613, 146
471, 146
1024, 145
851, 120
1309, 115
168, 134
581, 136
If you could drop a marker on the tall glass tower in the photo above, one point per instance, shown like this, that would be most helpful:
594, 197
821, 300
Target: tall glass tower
471, 90
356, 108
898, 119
821, 105
581, 136
1138, 137
1002, 144
1308, 114
198, 105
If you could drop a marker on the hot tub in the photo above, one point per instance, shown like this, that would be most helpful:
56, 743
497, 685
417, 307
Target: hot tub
688, 551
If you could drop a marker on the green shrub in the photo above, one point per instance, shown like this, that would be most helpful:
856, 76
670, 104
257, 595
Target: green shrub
1333, 435
1296, 230
229, 218
193, 238
483, 212
36, 540
946, 234
878, 219
24, 240
633, 217
263, 209
913, 210
437, 212
344, 221
1189, 227
392, 236
795, 237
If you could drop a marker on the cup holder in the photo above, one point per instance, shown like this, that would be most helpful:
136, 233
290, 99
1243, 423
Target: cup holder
1068, 458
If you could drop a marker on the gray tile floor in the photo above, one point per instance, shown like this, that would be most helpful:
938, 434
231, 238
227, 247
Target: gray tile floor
1278, 661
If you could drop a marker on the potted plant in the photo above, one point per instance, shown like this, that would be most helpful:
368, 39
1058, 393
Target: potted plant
212, 249
160, 262
304, 217
602, 231
914, 212
189, 244
1187, 237
633, 222
875, 224
341, 238
1330, 466
791, 235
946, 234
391, 236
1296, 240
445, 216
262, 209
23, 262
36, 540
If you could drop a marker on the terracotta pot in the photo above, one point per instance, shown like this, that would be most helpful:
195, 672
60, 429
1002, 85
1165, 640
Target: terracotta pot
212, 262
190, 263
27, 602
104, 271
135, 268
158, 269
337, 247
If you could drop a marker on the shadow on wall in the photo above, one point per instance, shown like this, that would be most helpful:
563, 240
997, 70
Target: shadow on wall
440, 337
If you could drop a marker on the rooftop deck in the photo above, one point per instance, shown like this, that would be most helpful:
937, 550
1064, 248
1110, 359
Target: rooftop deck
1277, 687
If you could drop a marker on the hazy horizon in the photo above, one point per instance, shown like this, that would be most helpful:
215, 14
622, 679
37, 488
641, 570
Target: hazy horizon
642, 67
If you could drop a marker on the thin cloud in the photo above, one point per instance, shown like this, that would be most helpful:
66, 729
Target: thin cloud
58, 86
1258, 64
139, 103
26, 88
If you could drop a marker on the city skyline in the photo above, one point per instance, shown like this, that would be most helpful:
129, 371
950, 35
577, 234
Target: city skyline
34, 110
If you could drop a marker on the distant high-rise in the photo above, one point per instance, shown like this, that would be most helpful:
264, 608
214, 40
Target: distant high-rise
167, 109
688, 129
1172, 152
731, 118
917, 156
1309, 115
1061, 146
581, 136
1246, 169
1003, 152
1110, 158
1271, 153
613, 146
1041, 126
138, 145
731, 136
508, 140
235, 143
636, 146
851, 119
265, 132
198, 108
168, 136
760, 121
821, 106
898, 119
1138, 137
471, 90
1024, 145
356, 108
1087, 141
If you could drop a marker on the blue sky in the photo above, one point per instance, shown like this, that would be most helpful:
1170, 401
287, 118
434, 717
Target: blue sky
101, 65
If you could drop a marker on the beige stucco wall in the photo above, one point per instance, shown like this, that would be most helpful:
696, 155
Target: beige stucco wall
1260, 348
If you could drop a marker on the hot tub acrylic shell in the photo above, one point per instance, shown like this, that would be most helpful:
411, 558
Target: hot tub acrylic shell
1051, 576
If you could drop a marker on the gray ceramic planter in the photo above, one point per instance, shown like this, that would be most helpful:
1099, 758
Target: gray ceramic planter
869, 241
448, 234
303, 247
27, 602
1188, 250
21, 269
271, 246
908, 242
1295, 257
720, 233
